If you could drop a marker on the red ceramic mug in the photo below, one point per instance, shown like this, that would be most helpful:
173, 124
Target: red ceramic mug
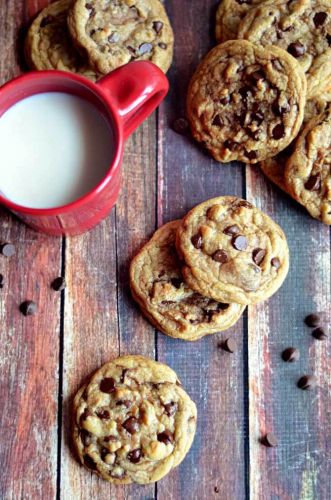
125, 97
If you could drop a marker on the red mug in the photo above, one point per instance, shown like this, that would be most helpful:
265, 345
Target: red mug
125, 97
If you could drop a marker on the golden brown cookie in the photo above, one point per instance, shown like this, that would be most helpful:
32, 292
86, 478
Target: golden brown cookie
233, 252
246, 102
228, 17
303, 28
115, 32
133, 422
48, 44
158, 287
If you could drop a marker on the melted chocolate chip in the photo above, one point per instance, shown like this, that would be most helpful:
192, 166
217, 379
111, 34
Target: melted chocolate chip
256, 76
107, 385
222, 307
220, 256
89, 462
134, 456
145, 48
104, 414
170, 408
258, 255
278, 132
162, 45
239, 242
131, 425
279, 110
124, 372
165, 437
157, 26
197, 241
124, 402
328, 39
176, 282
313, 183
167, 302
251, 155
110, 438
275, 262
45, 21
231, 230
244, 92
296, 49
319, 19
225, 100
217, 122
232, 146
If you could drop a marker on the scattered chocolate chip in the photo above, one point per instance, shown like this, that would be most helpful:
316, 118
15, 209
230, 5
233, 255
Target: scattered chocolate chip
290, 355
232, 146
170, 408
251, 155
244, 92
45, 21
278, 131
162, 45
168, 302
103, 453
107, 385
145, 48
319, 333
131, 425
220, 256
134, 456
176, 282
1, 281
256, 76
217, 122
92, 32
165, 437
239, 242
258, 255
131, 49
229, 345
222, 307
86, 413
104, 414
85, 436
157, 26
319, 18
124, 402
8, 249
328, 39
313, 183
296, 49
114, 37
275, 262
58, 284
278, 109
180, 125
196, 241
312, 320
307, 382
225, 100
28, 308
269, 440
258, 117
277, 65
89, 462
110, 438
231, 230
124, 372
216, 489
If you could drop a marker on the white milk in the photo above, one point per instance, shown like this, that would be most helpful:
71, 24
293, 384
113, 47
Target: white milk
54, 148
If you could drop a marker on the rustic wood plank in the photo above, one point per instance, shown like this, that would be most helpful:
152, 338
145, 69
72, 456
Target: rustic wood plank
298, 467
30, 346
213, 378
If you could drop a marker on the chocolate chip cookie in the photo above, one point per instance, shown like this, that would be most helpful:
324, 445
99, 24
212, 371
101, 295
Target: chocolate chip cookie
274, 169
246, 102
158, 287
228, 17
133, 422
48, 44
115, 32
308, 169
303, 28
233, 252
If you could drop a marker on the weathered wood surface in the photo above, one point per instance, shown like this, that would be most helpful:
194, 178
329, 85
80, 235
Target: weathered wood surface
45, 358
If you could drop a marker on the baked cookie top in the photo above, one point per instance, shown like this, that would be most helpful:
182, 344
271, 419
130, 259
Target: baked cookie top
308, 169
228, 17
115, 32
303, 28
133, 422
158, 286
233, 252
246, 102
49, 46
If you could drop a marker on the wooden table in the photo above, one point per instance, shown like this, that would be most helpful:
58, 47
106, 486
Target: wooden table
44, 358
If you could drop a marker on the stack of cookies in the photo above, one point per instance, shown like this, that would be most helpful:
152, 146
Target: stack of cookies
196, 275
95, 37
262, 95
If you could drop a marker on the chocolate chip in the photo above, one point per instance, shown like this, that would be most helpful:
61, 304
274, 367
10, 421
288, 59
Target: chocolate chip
157, 26
176, 282
244, 203
196, 241
28, 308
296, 49
103, 453
58, 284
89, 6
251, 155
107, 385
275, 262
279, 110
269, 440
110, 438
244, 92
307, 382
85, 436
258, 117
162, 45
256, 76
89, 462
290, 355
1, 281
231, 230
328, 39
216, 489
124, 372
180, 125
124, 402
217, 122
225, 100
232, 146
222, 307
277, 65
165, 437
134, 456
131, 425
319, 333
319, 18
220, 256
312, 320
45, 21
278, 132
229, 345
239, 242
131, 49
86, 413
104, 414
8, 249
170, 408
114, 37
145, 48
244, 1
258, 255
168, 302
313, 183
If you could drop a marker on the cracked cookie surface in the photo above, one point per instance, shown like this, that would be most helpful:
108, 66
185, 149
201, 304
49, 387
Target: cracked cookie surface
49, 46
303, 28
133, 422
308, 169
158, 287
233, 252
228, 17
245, 102
115, 32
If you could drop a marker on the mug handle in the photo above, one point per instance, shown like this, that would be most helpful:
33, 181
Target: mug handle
135, 90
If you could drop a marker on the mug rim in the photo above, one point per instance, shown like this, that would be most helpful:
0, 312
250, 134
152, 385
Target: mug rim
116, 127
